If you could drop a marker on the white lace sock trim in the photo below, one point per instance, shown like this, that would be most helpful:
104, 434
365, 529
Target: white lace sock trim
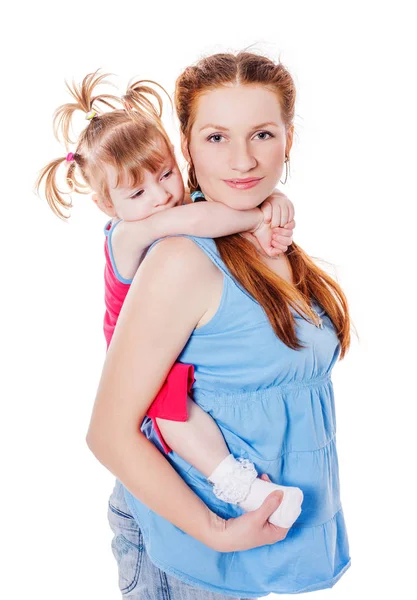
233, 479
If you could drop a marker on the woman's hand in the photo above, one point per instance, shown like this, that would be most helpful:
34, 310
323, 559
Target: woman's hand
251, 530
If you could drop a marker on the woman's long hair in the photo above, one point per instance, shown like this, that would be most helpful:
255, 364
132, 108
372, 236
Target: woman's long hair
273, 293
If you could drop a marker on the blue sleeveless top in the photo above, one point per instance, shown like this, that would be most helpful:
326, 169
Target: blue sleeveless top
274, 406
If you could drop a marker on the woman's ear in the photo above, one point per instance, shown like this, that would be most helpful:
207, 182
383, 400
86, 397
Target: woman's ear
289, 140
104, 205
184, 148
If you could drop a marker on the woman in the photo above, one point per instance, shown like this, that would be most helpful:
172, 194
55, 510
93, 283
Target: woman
263, 335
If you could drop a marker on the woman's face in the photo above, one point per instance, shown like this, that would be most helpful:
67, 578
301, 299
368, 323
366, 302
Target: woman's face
238, 144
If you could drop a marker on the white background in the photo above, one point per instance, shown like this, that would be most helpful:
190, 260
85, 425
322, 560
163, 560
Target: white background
354, 191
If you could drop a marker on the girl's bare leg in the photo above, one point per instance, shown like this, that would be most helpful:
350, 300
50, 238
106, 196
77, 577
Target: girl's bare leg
200, 442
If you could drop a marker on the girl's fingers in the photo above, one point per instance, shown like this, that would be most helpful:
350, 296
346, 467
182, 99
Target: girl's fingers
290, 225
273, 251
281, 232
286, 241
276, 217
266, 208
279, 246
284, 216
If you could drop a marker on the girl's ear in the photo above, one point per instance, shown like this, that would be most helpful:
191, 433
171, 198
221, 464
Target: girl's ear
184, 148
104, 205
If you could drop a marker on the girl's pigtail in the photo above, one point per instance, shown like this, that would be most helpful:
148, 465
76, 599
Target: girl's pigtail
53, 194
140, 98
85, 102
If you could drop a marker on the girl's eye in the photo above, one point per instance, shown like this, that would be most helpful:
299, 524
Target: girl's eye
264, 135
139, 193
167, 174
215, 138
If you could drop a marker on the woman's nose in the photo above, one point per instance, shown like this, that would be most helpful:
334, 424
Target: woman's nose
242, 158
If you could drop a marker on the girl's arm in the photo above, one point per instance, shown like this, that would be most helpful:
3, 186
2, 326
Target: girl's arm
175, 287
205, 219
202, 219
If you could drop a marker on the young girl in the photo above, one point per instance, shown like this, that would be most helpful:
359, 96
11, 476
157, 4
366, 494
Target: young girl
126, 158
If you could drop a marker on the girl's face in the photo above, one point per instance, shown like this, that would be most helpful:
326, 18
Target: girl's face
238, 144
158, 191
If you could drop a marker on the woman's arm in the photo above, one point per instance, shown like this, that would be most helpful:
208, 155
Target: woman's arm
160, 312
175, 287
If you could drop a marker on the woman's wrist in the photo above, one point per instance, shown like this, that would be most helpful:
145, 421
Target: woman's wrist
216, 532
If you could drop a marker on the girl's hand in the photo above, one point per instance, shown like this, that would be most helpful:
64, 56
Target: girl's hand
282, 237
252, 529
278, 212
278, 209
274, 241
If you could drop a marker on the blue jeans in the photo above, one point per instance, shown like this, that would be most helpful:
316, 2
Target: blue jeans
139, 578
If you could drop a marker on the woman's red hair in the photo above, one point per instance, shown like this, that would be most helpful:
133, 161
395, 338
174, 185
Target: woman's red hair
274, 294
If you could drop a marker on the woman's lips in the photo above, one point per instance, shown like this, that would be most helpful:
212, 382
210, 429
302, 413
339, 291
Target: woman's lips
243, 184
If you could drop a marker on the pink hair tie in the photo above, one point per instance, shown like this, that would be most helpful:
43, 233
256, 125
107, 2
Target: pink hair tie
69, 157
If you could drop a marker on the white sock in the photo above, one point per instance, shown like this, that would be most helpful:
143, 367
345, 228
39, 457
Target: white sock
236, 482
233, 479
287, 512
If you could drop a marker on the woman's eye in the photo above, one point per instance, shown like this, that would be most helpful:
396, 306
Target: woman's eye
215, 138
264, 135
167, 174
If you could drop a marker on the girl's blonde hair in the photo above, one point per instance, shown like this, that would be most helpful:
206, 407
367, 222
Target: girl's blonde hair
273, 293
125, 132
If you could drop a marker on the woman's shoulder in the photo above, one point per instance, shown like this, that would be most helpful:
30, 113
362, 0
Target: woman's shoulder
178, 268
187, 249
185, 256
193, 240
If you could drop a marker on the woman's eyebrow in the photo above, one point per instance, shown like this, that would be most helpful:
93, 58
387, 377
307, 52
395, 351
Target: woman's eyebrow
266, 124
219, 127
210, 126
